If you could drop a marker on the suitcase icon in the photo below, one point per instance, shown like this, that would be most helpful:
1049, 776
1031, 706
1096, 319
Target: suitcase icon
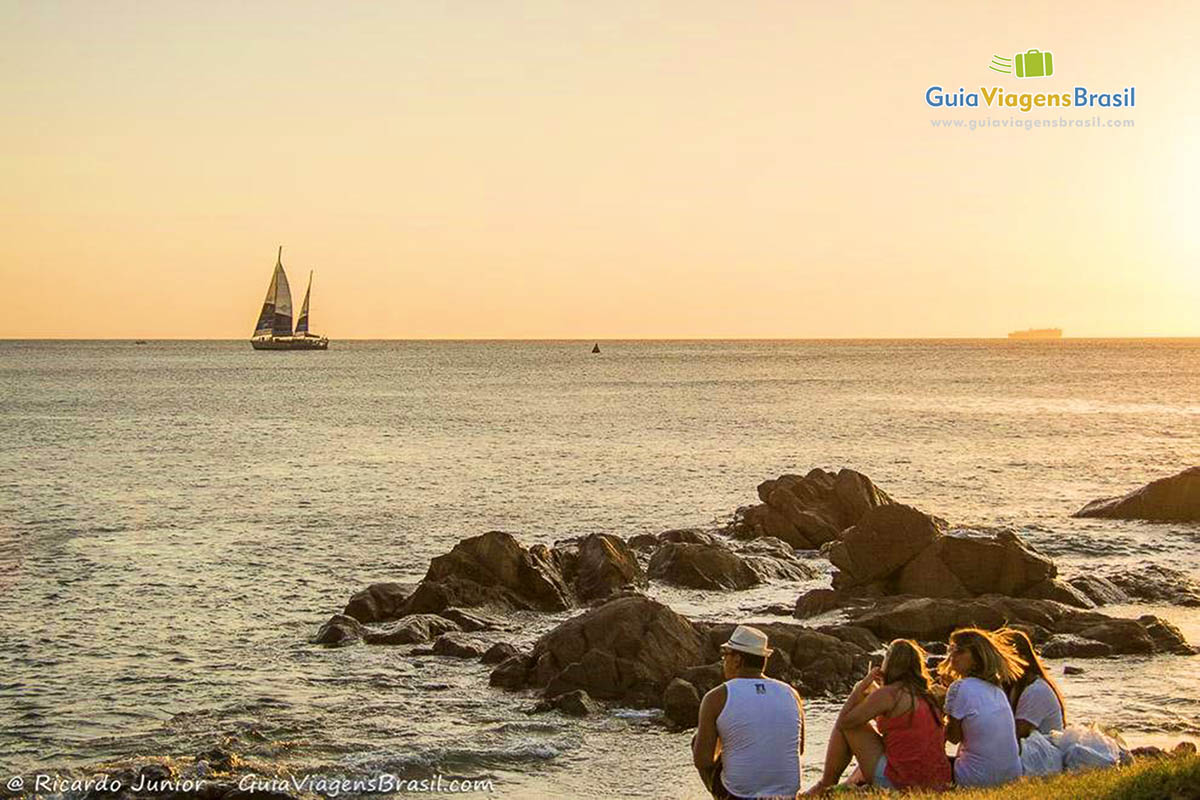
1034, 64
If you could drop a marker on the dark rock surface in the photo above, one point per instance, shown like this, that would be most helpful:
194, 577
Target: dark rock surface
1173, 499
379, 602
413, 629
339, 631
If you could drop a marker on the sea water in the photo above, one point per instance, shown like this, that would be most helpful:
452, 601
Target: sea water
177, 519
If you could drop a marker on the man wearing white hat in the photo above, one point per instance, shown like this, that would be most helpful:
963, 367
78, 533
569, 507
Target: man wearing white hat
751, 729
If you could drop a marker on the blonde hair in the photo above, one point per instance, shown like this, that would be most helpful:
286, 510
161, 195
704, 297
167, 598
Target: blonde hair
993, 659
1034, 668
905, 665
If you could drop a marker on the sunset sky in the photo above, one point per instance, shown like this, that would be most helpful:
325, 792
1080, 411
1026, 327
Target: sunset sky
592, 170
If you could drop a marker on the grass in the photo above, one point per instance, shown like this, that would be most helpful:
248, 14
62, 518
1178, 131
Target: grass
1145, 779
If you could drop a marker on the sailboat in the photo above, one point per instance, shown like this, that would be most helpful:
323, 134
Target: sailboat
274, 328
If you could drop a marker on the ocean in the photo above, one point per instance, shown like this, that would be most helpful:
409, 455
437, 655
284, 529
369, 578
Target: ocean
178, 518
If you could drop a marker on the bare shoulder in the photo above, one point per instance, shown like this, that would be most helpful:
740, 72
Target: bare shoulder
715, 696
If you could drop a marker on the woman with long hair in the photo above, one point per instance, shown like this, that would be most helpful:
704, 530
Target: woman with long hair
978, 716
1036, 701
909, 747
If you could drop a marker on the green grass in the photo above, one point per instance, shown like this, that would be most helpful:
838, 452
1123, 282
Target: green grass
1146, 779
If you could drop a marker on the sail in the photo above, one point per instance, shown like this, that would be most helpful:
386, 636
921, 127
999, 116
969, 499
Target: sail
275, 319
302, 320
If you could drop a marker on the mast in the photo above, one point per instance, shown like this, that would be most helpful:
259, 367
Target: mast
302, 320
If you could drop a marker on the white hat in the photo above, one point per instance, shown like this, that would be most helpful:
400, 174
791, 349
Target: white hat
745, 639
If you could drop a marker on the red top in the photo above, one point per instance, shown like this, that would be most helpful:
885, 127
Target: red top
915, 746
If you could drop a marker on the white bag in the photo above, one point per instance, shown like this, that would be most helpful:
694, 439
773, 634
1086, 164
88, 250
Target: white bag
1086, 746
1039, 756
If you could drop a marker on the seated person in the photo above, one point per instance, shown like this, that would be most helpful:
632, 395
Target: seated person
751, 729
909, 748
979, 718
1037, 703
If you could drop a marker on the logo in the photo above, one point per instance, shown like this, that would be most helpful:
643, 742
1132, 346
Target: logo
760, 689
1030, 64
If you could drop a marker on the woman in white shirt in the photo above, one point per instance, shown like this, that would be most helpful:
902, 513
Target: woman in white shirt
978, 716
1037, 703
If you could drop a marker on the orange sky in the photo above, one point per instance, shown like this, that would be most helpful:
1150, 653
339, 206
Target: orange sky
579, 170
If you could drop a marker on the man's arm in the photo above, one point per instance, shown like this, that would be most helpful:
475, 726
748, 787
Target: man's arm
704, 743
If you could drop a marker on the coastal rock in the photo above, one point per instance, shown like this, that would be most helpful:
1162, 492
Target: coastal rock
681, 703
813, 661
498, 653
643, 542
627, 649
1066, 645
413, 629
817, 601
808, 511
1173, 499
1156, 584
997, 564
471, 623
576, 703
883, 540
1099, 590
935, 618
686, 536
492, 569
1060, 592
379, 602
339, 631
702, 566
458, 645
606, 564
512, 673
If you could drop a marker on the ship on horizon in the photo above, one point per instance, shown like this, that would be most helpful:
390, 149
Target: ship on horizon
274, 328
1037, 333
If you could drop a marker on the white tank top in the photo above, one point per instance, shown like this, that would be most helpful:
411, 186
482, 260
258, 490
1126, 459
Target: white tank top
760, 738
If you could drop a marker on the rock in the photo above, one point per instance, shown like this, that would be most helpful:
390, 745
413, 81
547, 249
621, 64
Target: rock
644, 541
686, 536
862, 637
1173, 499
999, 564
457, 645
775, 610
1099, 590
512, 673
1149, 751
702, 566
605, 565
705, 677
1156, 584
220, 759
1060, 592
808, 511
1183, 750
816, 662
1066, 645
339, 631
627, 649
379, 602
817, 601
1069, 669
681, 703
882, 541
413, 629
498, 653
492, 569
936, 618
471, 623
576, 703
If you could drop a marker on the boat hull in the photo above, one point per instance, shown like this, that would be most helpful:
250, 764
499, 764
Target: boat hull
290, 343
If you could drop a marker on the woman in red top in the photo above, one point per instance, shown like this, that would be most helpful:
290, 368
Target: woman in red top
909, 747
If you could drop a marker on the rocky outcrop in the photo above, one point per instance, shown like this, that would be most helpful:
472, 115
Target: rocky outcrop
339, 631
884, 540
807, 511
935, 618
413, 629
1153, 583
576, 703
701, 566
604, 566
627, 649
458, 645
492, 569
379, 602
1173, 499
499, 653
681, 703
1099, 590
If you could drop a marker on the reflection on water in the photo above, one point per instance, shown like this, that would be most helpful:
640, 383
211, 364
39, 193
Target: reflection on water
180, 517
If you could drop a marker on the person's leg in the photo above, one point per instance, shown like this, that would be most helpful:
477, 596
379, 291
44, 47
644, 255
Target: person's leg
862, 743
